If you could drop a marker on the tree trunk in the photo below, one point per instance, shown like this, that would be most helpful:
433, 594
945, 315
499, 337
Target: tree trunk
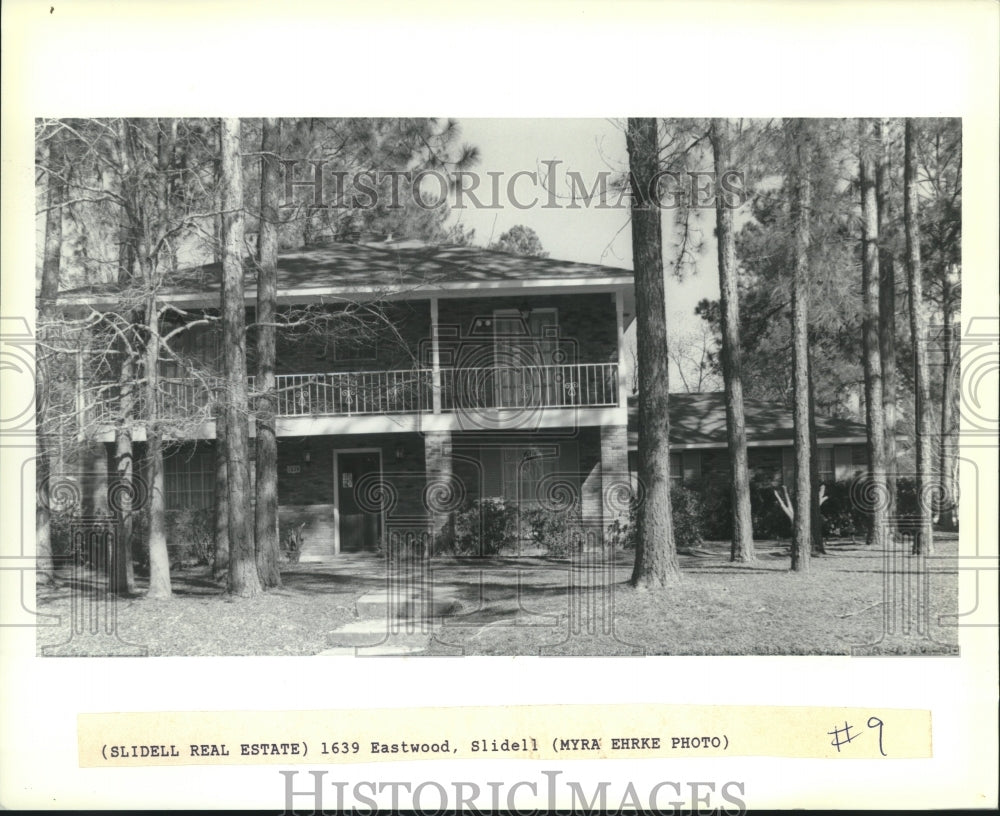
799, 172
887, 309
220, 561
166, 148
127, 479
243, 578
266, 506
655, 552
923, 540
875, 494
49, 290
815, 508
159, 556
123, 570
949, 412
742, 546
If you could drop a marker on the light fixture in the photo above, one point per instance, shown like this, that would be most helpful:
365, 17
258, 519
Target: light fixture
400, 452
525, 310
307, 456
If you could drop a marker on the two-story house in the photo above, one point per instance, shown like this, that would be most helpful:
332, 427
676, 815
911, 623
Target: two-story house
438, 376
412, 380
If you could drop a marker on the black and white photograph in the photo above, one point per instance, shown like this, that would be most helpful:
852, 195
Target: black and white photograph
405, 389
573, 405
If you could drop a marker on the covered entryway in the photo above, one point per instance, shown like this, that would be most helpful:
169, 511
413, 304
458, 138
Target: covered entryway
356, 473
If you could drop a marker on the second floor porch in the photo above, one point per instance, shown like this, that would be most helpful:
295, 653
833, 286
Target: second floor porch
488, 361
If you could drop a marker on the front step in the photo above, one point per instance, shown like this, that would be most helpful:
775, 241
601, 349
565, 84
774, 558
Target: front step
386, 605
377, 637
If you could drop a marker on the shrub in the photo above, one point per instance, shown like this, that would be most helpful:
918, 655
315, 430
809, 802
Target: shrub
767, 517
61, 538
687, 512
485, 527
769, 520
559, 534
842, 517
290, 541
191, 535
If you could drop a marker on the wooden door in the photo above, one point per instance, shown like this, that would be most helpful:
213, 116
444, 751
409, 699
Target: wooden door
359, 526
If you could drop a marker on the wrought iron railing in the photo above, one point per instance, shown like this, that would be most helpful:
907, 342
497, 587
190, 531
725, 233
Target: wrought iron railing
401, 392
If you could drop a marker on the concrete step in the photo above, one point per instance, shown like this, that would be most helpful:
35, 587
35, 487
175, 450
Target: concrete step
389, 648
372, 632
385, 605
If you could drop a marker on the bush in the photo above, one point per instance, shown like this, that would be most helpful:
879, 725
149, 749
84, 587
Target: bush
290, 542
485, 527
559, 534
687, 512
842, 517
191, 536
767, 517
769, 520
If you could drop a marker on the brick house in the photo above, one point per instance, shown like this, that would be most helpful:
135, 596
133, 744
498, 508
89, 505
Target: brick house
492, 375
487, 375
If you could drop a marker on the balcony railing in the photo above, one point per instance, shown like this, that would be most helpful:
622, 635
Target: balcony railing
408, 391
544, 386
354, 393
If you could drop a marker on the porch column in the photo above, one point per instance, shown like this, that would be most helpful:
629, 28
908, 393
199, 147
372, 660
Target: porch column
440, 488
620, 318
616, 486
435, 358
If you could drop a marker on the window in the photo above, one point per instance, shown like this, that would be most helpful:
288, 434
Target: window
685, 467
788, 466
189, 480
676, 472
826, 464
524, 468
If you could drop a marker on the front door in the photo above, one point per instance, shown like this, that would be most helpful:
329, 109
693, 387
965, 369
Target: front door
359, 526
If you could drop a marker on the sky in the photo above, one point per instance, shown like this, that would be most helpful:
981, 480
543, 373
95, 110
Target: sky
585, 234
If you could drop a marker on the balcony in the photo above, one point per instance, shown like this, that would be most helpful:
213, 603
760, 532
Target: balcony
412, 391
409, 391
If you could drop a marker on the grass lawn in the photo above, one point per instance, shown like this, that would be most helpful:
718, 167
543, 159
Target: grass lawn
530, 606
201, 620
720, 608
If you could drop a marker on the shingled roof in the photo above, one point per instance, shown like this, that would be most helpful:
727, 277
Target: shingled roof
699, 421
389, 266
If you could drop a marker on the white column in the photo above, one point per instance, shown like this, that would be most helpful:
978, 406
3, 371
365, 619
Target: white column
620, 317
435, 358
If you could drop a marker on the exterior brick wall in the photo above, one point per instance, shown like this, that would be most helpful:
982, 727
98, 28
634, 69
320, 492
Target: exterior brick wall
313, 483
588, 328
442, 492
591, 486
311, 353
615, 482
316, 523
587, 331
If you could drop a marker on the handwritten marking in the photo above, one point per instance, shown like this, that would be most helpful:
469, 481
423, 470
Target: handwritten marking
875, 722
846, 731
